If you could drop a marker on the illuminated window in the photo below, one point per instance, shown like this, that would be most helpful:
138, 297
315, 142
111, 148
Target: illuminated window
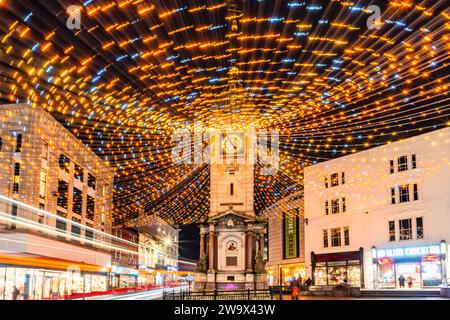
325, 238
64, 163
415, 192
402, 163
405, 229
43, 183
419, 228
77, 201
391, 166
335, 206
19, 143
16, 177
403, 193
63, 194
78, 173
44, 150
346, 236
91, 181
413, 161
326, 182
392, 195
335, 179
90, 208
391, 230
336, 237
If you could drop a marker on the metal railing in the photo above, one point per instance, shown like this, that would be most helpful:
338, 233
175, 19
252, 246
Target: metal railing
219, 295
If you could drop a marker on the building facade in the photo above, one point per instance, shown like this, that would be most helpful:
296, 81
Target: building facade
286, 241
158, 252
55, 208
383, 213
232, 237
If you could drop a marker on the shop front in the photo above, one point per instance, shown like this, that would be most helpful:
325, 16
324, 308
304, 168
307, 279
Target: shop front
419, 266
289, 272
36, 283
123, 277
337, 268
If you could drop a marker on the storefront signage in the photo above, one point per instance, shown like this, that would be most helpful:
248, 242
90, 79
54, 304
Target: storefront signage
124, 270
290, 230
408, 251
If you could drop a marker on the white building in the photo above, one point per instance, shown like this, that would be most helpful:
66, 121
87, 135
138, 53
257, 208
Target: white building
55, 208
158, 250
373, 216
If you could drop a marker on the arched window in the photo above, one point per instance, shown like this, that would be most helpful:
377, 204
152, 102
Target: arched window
231, 189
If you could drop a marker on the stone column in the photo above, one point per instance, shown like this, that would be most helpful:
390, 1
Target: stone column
261, 243
249, 248
212, 252
202, 244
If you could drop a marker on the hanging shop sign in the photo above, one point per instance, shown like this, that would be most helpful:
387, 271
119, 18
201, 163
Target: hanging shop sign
290, 230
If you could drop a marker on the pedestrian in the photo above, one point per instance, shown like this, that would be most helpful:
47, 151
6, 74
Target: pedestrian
295, 286
15, 293
410, 282
308, 282
401, 281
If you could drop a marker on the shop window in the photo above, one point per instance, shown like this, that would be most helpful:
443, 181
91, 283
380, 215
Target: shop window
391, 230
404, 193
78, 173
43, 183
77, 201
90, 208
391, 166
392, 195
415, 192
335, 179
63, 193
91, 181
346, 236
326, 208
344, 205
335, 206
402, 163
19, 143
325, 238
419, 228
413, 161
336, 237
405, 228
326, 182
64, 163
16, 177
343, 178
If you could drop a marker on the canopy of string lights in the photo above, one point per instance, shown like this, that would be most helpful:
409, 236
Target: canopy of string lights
330, 75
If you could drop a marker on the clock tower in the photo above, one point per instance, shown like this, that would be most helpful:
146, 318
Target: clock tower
232, 237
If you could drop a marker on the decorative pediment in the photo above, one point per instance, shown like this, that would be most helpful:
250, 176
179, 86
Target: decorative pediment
231, 218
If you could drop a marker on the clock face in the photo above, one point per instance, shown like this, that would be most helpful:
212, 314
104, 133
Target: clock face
232, 143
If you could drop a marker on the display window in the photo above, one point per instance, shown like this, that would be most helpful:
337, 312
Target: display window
431, 274
411, 272
320, 274
386, 276
292, 271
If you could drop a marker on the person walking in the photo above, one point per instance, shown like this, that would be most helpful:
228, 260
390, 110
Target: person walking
410, 282
295, 286
15, 293
401, 281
